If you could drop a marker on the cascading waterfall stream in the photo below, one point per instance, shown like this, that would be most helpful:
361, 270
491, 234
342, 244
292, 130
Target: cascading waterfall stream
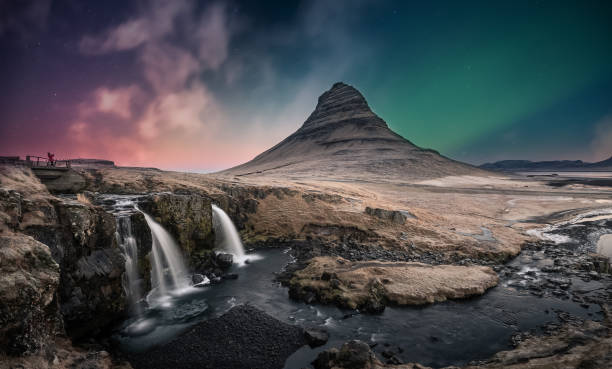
127, 243
169, 271
230, 239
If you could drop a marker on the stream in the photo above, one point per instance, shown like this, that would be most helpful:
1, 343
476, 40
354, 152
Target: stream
452, 332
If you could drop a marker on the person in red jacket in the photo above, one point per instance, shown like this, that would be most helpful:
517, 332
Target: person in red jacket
51, 159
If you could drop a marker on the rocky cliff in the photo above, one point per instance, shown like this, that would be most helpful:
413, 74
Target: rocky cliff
80, 238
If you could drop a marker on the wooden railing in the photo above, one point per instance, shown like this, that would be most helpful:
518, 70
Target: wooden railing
42, 162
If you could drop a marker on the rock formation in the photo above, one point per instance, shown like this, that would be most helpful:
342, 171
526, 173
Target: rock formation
81, 239
29, 277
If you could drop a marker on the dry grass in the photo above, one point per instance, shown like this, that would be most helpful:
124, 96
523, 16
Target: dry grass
21, 180
83, 199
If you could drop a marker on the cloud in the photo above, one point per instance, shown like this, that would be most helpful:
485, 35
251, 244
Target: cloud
178, 113
601, 145
151, 24
117, 101
197, 104
187, 114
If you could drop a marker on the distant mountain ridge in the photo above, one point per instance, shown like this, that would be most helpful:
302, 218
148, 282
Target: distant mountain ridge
344, 139
553, 165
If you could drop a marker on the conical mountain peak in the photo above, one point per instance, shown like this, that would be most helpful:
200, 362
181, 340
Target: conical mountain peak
340, 103
343, 138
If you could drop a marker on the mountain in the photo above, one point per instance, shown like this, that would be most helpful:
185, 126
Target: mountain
344, 139
554, 165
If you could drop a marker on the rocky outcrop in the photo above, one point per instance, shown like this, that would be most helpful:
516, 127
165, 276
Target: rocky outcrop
352, 355
189, 219
29, 278
369, 286
394, 216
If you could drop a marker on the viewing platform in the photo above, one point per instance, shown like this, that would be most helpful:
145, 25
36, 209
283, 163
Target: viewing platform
45, 169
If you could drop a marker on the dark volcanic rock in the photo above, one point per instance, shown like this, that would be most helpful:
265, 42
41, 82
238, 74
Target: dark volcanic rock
224, 261
29, 277
316, 337
243, 338
352, 355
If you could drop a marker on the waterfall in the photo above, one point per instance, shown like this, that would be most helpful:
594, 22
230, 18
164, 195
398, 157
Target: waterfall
230, 239
169, 271
127, 243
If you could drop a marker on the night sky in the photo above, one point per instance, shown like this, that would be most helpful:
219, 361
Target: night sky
190, 85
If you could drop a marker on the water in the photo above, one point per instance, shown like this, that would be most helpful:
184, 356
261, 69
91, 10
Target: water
127, 243
169, 271
448, 333
228, 238
169, 274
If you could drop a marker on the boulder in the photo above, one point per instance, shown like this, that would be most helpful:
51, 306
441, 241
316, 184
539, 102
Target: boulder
224, 261
354, 354
197, 278
29, 278
316, 337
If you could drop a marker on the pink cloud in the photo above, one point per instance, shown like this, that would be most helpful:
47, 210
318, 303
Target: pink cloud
116, 101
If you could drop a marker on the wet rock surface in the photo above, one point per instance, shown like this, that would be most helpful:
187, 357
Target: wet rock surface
568, 270
352, 355
316, 337
244, 337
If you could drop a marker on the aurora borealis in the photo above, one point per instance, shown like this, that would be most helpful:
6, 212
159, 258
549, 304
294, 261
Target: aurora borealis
206, 85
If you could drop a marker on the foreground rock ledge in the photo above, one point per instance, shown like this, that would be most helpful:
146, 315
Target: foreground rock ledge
370, 285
